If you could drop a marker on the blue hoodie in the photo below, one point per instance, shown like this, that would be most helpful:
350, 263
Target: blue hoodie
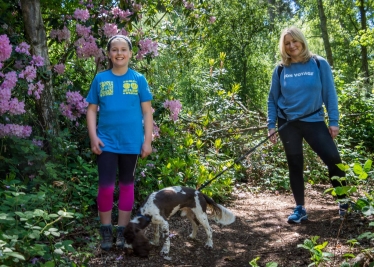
301, 89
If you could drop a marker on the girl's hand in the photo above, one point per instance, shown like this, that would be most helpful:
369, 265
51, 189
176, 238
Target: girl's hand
146, 150
96, 145
273, 137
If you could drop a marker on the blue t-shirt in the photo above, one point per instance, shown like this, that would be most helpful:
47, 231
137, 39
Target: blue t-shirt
119, 98
301, 89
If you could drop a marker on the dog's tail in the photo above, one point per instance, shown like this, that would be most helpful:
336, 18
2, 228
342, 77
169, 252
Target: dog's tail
219, 213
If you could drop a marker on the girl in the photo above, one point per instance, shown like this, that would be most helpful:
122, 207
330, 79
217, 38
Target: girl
124, 131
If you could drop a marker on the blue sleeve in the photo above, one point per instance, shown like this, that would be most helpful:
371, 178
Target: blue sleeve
329, 96
273, 99
93, 96
145, 94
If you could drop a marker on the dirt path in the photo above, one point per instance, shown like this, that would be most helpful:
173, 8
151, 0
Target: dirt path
260, 230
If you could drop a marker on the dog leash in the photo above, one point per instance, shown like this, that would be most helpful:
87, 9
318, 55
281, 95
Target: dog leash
256, 146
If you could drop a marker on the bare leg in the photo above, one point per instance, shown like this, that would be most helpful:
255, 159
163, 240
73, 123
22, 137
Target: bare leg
105, 217
123, 217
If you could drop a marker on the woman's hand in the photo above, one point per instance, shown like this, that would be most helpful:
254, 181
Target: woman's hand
334, 130
273, 135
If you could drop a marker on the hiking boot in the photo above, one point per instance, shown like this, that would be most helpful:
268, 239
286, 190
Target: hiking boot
343, 209
106, 237
298, 215
120, 241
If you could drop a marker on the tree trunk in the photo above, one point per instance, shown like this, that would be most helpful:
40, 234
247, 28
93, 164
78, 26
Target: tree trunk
36, 36
364, 51
271, 12
325, 35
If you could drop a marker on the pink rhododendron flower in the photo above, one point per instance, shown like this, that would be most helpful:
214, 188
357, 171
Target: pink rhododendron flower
29, 73
35, 89
15, 130
147, 47
188, 5
137, 7
212, 19
175, 107
5, 47
38, 143
123, 32
119, 13
81, 14
156, 131
75, 106
23, 48
83, 31
16, 107
61, 35
37, 61
10, 80
59, 68
110, 29
86, 47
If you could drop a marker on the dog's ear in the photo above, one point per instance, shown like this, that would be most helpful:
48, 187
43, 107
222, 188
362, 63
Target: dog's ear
141, 246
144, 221
129, 233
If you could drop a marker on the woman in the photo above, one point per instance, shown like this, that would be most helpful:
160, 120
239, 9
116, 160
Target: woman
124, 131
304, 84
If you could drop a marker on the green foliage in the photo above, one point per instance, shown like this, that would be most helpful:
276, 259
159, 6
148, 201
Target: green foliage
318, 256
357, 114
27, 232
221, 73
254, 263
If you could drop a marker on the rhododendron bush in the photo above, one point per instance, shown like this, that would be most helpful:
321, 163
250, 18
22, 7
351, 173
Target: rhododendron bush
76, 40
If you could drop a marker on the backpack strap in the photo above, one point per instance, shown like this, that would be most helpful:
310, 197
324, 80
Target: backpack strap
280, 67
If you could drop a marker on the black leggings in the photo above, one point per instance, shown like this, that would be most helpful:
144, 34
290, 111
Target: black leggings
317, 135
108, 163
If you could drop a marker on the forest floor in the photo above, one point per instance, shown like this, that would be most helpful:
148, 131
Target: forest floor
260, 230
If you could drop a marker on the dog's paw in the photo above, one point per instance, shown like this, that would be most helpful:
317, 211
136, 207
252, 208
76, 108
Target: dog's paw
164, 251
208, 245
167, 258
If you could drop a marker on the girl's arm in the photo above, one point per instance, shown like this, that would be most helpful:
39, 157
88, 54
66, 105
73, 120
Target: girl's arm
148, 128
91, 126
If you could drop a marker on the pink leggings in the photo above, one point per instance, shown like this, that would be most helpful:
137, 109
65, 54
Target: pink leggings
107, 165
125, 201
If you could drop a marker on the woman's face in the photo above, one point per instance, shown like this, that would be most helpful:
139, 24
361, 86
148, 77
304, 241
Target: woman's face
293, 48
119, 53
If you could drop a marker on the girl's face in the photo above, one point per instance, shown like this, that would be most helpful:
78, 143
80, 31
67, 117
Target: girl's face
119, 53
293, 48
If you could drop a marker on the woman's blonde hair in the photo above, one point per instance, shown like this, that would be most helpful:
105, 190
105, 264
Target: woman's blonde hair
298, 36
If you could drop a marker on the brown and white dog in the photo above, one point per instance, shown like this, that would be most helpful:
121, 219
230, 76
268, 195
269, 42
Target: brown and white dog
161, 205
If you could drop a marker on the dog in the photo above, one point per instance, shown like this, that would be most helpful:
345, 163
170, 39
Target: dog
161, 205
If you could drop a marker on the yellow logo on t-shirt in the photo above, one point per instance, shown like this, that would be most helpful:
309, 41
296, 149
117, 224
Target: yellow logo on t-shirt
106, 88
130, 87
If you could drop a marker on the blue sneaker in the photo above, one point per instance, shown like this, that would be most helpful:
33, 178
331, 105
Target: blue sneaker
298, 215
